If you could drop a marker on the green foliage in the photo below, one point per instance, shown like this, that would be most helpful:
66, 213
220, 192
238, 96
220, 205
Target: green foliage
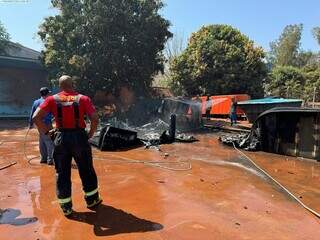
294, 73
305, 58
4, 39
312, 86
292, 82
286, 82
174, 47
316, 34
219, 60
285, 50
106, 44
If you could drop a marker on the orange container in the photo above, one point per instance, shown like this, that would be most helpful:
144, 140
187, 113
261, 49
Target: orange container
220, 104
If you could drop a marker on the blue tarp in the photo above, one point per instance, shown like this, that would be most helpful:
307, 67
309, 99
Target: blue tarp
270, 100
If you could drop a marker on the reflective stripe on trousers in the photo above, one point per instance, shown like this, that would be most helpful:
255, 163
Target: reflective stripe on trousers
64, 200
88, 194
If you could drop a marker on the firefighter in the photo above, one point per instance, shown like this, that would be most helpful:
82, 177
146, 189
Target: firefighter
233, 111
45, 143
208, 107
71, 140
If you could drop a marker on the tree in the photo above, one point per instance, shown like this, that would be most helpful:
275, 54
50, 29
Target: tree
286, 82
305, 58
316, 33
285, 50
106, 44
312, 86
219, 60
173, 48
4, 39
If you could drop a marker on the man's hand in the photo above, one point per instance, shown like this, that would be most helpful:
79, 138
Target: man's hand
51, 133
38, 115
90, 134
94, 120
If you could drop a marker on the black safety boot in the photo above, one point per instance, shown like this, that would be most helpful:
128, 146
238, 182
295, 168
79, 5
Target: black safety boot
93, 201
50, 162
43, 161
67, 208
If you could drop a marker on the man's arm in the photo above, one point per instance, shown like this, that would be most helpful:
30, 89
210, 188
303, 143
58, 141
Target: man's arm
94, 121
37, 117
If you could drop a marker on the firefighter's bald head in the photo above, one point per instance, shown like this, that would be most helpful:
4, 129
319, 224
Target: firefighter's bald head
65, 83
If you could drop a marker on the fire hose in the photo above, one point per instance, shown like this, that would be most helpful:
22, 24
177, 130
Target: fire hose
277, 183
7, 165
155, 164
24, 150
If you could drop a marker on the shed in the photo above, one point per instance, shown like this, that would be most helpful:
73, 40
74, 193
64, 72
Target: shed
289, 131
21, 77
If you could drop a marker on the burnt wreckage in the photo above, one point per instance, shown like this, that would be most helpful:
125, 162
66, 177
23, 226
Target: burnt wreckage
288, 131
161, 124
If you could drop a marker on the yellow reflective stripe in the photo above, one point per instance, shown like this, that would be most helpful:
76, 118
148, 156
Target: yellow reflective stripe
95, 202
88, 194
64, 200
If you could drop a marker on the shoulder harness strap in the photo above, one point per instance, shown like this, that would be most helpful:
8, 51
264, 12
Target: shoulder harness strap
76, 110
59, 110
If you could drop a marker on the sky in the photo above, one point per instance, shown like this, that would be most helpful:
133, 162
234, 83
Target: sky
261, 20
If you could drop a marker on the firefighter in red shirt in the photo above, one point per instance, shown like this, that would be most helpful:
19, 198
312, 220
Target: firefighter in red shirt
71, 140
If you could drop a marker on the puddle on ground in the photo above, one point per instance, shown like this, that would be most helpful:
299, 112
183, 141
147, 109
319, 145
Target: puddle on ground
10, 216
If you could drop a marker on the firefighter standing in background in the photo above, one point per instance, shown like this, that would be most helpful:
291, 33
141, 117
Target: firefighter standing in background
208, 107
71, 140
45, 143
233, 111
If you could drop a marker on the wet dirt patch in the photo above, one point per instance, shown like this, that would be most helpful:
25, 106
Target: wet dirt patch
11, 216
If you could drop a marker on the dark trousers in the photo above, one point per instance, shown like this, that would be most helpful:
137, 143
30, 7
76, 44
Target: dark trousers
233, 118
68, 145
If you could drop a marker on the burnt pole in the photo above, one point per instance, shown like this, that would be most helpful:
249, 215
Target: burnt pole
172, 129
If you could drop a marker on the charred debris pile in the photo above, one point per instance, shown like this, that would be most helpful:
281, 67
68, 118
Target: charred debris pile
149, 123
289, 131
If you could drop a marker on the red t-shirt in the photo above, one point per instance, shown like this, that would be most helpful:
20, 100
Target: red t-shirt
68, 121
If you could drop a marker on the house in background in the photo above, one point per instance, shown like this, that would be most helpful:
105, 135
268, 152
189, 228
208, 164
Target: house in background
21, 77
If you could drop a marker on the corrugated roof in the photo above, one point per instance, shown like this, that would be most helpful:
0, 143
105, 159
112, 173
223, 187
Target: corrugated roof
17, 62
20, 51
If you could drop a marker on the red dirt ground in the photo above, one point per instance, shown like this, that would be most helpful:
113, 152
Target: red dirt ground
221, 197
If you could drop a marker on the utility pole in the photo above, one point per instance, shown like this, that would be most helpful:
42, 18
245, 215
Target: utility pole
314, 96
